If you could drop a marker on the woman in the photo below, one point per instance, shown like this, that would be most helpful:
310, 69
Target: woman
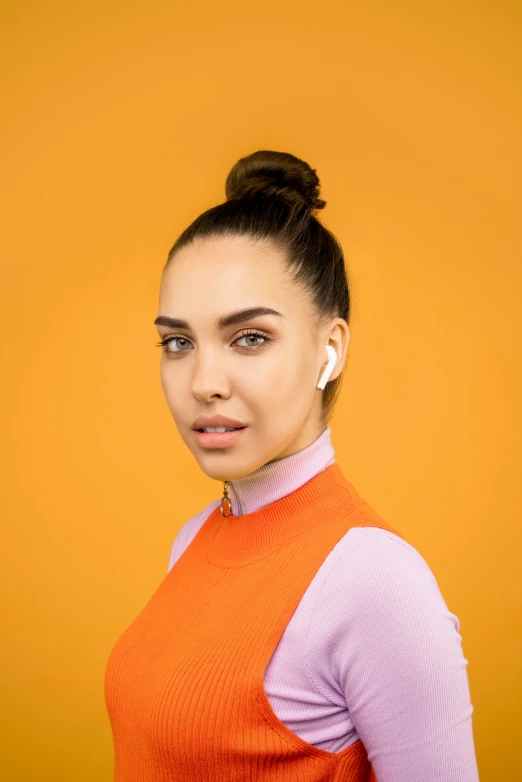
296, 635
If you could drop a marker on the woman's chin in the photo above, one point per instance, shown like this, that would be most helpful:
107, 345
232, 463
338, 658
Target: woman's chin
221, 467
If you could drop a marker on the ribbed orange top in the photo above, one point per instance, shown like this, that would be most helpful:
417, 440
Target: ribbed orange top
184, 684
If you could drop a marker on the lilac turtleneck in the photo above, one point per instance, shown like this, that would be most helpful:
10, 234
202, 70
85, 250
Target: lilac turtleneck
372, 651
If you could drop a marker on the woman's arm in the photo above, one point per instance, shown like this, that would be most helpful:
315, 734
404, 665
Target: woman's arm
395, 653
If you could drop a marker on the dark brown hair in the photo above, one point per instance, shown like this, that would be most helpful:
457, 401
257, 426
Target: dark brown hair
272, 196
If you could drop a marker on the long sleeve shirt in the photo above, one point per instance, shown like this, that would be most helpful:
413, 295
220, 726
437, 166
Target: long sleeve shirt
372, 651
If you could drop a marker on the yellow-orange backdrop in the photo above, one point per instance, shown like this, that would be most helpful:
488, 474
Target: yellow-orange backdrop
122, 120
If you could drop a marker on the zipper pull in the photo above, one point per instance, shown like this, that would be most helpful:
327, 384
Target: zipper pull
226, 501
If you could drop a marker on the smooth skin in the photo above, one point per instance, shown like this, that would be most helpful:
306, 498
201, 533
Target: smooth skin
267, 384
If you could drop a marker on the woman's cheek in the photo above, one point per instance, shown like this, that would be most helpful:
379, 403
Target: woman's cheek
268, 383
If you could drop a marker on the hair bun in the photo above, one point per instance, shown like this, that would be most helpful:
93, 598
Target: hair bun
276, 175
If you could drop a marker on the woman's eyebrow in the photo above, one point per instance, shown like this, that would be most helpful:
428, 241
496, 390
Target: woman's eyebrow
227, 320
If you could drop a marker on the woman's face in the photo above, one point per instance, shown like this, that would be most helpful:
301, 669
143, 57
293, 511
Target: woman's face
260, 371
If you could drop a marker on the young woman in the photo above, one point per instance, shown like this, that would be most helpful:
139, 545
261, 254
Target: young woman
296, 635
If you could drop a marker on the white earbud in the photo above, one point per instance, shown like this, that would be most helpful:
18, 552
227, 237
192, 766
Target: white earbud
332, 361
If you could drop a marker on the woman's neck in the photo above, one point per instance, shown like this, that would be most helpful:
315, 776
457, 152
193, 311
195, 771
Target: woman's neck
275, 479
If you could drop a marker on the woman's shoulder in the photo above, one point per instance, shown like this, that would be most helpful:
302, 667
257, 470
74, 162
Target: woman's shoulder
379, 586
379, 604
379, 546
373, 564
188, 532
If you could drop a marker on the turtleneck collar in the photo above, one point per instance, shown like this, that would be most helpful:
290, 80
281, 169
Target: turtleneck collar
276, 479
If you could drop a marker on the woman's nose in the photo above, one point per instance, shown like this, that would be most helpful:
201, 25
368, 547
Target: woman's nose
209, 378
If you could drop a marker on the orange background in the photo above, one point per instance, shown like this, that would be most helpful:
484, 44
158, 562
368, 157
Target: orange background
123, 120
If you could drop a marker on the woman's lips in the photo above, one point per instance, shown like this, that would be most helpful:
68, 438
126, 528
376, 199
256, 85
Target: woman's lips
218, 439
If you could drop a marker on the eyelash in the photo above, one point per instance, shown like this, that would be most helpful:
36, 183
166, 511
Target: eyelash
165, 341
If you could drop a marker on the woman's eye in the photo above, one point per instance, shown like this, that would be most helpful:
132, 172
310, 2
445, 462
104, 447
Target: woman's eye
249, 337
172, 341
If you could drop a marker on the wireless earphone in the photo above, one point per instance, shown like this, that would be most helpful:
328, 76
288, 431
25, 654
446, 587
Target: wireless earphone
332, 361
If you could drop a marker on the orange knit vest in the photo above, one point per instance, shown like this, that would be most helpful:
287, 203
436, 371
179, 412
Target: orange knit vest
184, 684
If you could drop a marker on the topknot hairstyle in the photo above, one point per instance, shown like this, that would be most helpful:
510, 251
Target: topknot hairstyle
274, 196
276, 175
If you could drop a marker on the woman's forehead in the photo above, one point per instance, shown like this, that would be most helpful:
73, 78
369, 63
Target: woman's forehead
227, 267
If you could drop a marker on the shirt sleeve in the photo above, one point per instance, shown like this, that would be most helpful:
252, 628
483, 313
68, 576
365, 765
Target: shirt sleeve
395, 654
